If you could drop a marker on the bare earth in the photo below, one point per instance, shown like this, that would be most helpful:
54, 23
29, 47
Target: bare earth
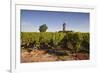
42, 56
38, 56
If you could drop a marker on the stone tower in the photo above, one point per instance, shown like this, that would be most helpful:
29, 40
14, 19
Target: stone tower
64, 26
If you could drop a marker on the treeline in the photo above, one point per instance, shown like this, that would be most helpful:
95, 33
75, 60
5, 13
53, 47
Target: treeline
71, 41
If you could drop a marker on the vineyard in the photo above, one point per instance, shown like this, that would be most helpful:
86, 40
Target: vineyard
54, 46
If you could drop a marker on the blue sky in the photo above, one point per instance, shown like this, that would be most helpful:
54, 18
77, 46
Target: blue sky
32, 19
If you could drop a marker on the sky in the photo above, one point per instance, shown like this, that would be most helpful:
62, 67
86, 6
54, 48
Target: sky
32, 19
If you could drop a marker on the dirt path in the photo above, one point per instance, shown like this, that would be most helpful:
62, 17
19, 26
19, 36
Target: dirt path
37, 56
43, 56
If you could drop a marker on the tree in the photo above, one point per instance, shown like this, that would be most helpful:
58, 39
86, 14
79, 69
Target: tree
43, 28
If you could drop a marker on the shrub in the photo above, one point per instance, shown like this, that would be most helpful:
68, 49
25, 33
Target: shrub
75, 41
